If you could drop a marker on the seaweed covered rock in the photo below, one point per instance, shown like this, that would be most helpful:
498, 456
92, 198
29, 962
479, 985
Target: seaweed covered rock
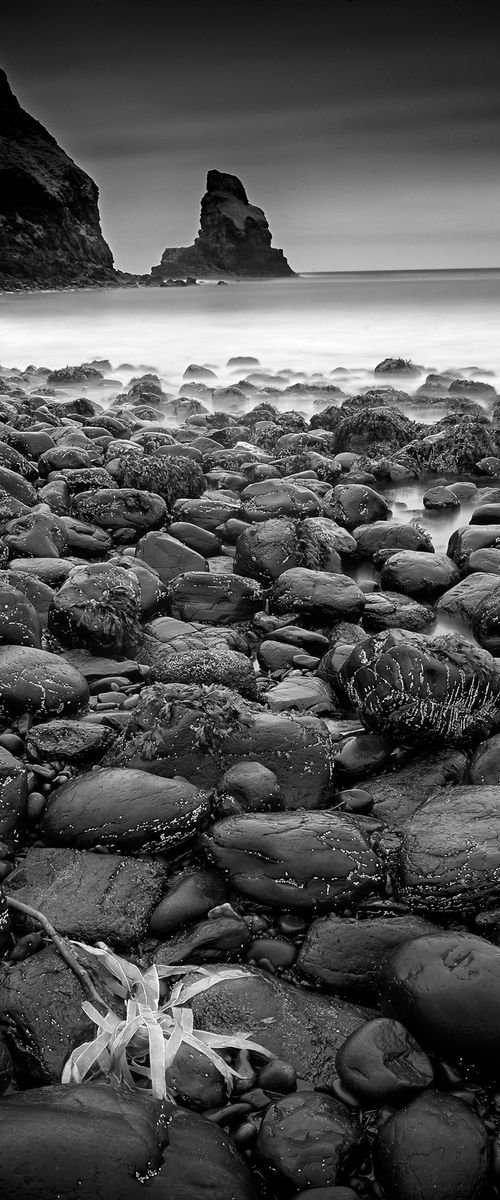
435, 1148
98, 608
120, 508
373, 430
199, 732
168, 477
301, 860
417, 689
123, 810
454, 447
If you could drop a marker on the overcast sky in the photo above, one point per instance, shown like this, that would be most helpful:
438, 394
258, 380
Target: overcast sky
367, 130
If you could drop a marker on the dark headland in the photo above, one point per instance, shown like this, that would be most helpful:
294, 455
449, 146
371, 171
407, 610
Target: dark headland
50, 229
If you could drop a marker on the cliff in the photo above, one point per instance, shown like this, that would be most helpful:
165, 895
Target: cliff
50, 232
234, 239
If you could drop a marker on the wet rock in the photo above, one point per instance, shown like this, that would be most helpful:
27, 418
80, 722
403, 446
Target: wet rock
450, 853
306, 1139
297, 1025
298, 860
168, 556
467, 539
389, 610
465, 599
35, 681
416, 689
41, 1003
380, 1062
201, 540
484, 560
265, 550
444, 989
13, 793
345, 954
123, 810
301, 693
398, 366
207, 940
182, 637
356, 504
485, 762
486, 620
16, 487
35, 592
423, 576
152, 592
208, 512
98, 608
104, 1141
217, 599
397, 794
317, 594
201, 732
37, 534
120, 508
51, 572
380, 535
359, 756
19, 621
191, 895
253, 785
440, 498
72, 742
434, 1149
273, 951
91, 897
278, 498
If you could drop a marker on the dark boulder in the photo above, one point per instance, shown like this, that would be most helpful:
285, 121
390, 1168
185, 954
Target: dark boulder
217, 599
120, 508
421, 575
357, 504
345, 954
35, 681
381, 1062
320, 595
125, 811
167, 476
301, 860
436, 1148
306, 1139
418, 690
98, 608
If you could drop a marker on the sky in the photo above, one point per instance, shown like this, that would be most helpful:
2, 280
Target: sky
367, 130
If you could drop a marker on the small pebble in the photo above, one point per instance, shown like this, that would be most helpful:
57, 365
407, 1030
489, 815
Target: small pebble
277, 1076
245, 1135
291, 924
35, 806
131, 702
273, 950
12, 743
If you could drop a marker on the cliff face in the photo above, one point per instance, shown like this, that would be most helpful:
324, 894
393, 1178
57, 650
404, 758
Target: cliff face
234, 238
50, 233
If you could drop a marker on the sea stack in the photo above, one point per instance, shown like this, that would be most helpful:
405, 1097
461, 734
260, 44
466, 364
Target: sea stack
234, 239
50, 232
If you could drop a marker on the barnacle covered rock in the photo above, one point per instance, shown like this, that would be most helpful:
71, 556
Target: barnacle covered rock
98, 607
417, 689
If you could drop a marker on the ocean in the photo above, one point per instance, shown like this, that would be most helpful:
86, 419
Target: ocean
315, 323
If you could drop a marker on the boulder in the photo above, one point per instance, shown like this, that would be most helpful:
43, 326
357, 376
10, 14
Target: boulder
301, 860
319, 595
357, 504
417, 689
423, 576
305, 1139
435, 1148
450, 853
217, 599
167, 556
345, 954
120, 508
98, 608
380, 535
37, 682
123, 811
199, 732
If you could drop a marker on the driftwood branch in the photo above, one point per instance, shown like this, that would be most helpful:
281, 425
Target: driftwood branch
61, 946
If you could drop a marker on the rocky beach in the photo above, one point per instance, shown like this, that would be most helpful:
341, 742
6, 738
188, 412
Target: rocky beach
250, 782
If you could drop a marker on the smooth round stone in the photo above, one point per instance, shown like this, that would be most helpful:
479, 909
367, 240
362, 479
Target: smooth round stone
440, 498
277, 1076
201, 540
445, 989
279, 954
19, 620
38, 682
486, 514
434, 1149
253, 784
291, 924
418, 574
321, 595
191, 895
304, 1139
381, 1061
358, 504
355, 800
358, 756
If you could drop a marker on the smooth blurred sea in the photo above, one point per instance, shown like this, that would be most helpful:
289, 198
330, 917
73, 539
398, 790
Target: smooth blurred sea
313, 323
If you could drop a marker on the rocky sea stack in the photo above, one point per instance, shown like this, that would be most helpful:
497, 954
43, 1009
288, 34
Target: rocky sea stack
50, 232
234, 239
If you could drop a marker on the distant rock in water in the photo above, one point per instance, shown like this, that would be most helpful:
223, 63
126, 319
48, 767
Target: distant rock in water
50, 233
234, 238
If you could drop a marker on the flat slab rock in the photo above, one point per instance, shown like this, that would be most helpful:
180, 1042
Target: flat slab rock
91, 897
299, 1026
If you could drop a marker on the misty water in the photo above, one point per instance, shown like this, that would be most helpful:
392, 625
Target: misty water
313, 323
317, 328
